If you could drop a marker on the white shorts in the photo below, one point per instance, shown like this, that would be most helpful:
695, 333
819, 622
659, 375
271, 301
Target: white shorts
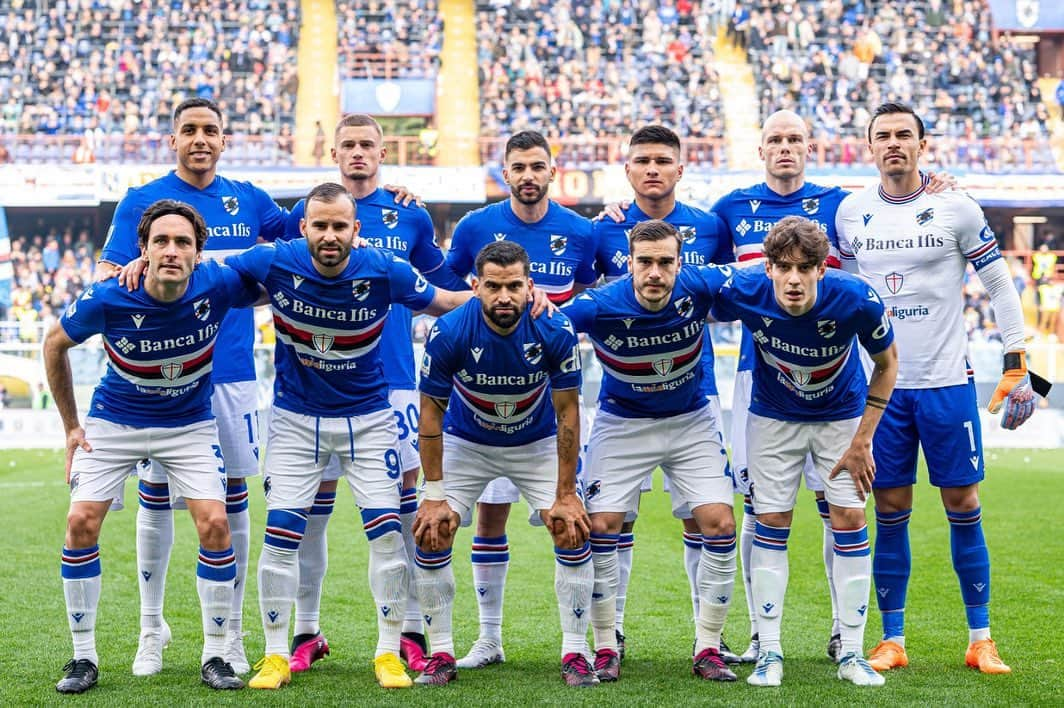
299, 447
739, 453
688, 447
404, 405
779, 450
235, 408
469, 468
190, 453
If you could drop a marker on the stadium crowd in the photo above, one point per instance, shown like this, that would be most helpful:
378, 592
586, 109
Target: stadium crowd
831, 60
385, 38
592, 70
110, 74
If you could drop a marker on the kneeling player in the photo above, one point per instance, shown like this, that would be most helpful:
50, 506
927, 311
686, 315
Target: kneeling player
810, 398
648, 332
505, 388
154, 401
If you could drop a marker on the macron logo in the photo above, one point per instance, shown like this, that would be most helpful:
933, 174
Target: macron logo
138, 320
754, 204
297, 280
499, 236
628, 322
867, 218
476, 352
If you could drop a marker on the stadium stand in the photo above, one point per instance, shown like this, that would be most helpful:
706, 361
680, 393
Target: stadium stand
96, 82
389, 39
831, 60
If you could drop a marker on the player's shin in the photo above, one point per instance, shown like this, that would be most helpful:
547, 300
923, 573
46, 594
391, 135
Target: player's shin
81, 590
971, 562
279, 575
236, 510
692, 556
624, 574
407, 512
829, 561
434, 582
155, 538
313, 563
215, 576
491, 561
852, 579
574, 581
389, 575
604, 593
768, 580
746, 545
891, 565
716, 581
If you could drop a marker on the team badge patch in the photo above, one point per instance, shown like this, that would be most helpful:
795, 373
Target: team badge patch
662, 366
360, 289
593, 489
231, 205
171, 370
894, 282
390, 217
687, 234
811, 206
322, 342
684, 306
202, 308
826, 328
925, 216
533, 353
505, 409
558, 244
420, 285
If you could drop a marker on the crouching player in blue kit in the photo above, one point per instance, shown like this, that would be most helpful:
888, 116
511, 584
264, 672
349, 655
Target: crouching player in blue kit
648, 332
810, 398
504, 387
154, 401
330, 305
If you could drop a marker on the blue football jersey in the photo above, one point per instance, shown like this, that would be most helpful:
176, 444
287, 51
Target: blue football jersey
750, 213
705, 240
560, 245
237, 215
806, 368
407, 232
651, 361
499, 386
159, 354
327, 357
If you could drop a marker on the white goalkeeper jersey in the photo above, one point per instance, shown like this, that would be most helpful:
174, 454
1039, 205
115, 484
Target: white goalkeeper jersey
913, 250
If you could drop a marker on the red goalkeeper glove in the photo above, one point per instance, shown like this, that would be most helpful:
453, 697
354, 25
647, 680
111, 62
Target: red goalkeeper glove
1014, 391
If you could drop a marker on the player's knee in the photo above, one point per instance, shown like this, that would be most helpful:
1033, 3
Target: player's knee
213, 528
961, 498
327, 485
714, 519
606, 523
491, 519
83, 527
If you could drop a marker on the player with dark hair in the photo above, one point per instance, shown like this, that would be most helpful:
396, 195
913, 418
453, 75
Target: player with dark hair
153, 401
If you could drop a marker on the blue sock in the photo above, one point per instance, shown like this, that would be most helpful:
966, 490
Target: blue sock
971, 562
891, 566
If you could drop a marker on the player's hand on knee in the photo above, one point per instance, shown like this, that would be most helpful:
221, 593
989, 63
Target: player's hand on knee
858, 463
75, 439
568, 521
434, 525
1014, 391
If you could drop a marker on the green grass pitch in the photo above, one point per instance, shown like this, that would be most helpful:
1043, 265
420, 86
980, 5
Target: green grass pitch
1023, 492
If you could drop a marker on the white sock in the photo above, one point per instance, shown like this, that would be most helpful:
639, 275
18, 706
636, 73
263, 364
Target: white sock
974, 635
692, 555
574, 581
768, 578
434, 582
746, 544
624, 572
216, 600
407, 513
491, 561
81, 591
389, 580
155, 538
278, 580
829, 562
313, 562
604, 594
240, 532
852, 579
716, 581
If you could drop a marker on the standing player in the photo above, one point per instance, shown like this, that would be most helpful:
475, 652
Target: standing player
648, 332
330, 306
503, 387
561, 254
915, 246
407, 232
810, 398
154, 400
237, 215
654, 169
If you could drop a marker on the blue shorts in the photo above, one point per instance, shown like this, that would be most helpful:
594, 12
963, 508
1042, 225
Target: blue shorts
944, 422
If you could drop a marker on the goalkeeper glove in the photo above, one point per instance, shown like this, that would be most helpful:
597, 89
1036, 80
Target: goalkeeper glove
1014, 391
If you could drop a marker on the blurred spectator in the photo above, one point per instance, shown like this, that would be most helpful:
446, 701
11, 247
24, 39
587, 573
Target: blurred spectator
113, 71
1049, 294
42, 398
389, 38
319, 143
